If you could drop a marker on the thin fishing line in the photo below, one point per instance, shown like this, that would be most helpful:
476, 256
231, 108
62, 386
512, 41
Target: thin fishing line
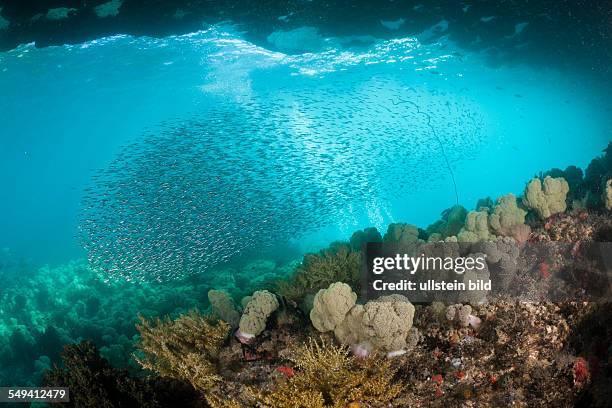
433, 131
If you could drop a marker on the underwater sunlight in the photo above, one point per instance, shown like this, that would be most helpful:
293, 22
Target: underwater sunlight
191, 218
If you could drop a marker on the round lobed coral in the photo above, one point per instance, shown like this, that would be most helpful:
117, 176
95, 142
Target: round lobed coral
546, 198
253, 321
331, 305
506, 215
505, 219
382, 324
476, 227
379, 325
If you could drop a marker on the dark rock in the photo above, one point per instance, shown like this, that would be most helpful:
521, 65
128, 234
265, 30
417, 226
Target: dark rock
509, 31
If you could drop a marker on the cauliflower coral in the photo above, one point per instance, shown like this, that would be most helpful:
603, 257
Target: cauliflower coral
548, 198
331, 305
506, 215
476, 227
382, 324
253, 321
505, 219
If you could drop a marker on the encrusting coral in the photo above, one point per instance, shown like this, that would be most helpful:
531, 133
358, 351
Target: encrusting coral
328, 376
256, 312
546, 198
183, 349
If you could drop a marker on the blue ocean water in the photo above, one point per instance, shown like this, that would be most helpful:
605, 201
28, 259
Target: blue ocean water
378, 124
153, 158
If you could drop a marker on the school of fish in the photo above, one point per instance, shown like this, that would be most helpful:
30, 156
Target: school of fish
286, 160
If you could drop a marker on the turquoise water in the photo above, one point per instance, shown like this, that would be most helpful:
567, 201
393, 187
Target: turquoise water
158, 158
68, 111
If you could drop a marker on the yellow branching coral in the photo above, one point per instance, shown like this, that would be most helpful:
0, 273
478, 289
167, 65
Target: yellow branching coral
290, 395
339, 263
328, 376
218, 401
184, 349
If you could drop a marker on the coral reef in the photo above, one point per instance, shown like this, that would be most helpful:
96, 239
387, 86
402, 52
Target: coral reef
362, 236
47, 307
476, 227
506, 215
453, 219
256, 312
467, 352
546, 198
94, 383
61, 305
327, 376
381, 325
401, 233
518, 355
184, 349
331, 305
338, 263
577, 229
223, 307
